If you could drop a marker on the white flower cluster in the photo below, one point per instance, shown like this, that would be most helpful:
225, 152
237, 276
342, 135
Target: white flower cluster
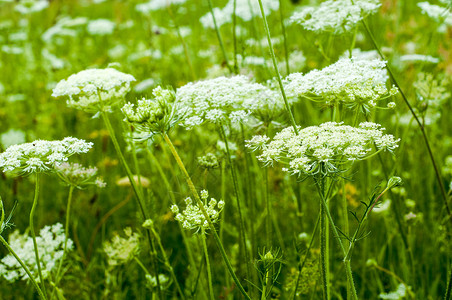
101, 27
41, 156
76, 175
147, 7
31, 6
335, 16
50, 248
121, 250
227, 99
436, 12
193, 218
94, 89
353, 82
245, 10
326, 148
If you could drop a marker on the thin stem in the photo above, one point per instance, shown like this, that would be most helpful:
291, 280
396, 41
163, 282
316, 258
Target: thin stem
66, 235
136, 190
265, 283
33, 235
220, 40
283, 27
206, 215
35, 284
237, 197
447, 296
338, 238
166, 262
234, 36
206, 256
184, 45
420, 124
324, 255
275, 65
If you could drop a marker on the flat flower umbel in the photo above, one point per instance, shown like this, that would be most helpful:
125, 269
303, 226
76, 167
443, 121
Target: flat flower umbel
94, 90
328, 148
41, 156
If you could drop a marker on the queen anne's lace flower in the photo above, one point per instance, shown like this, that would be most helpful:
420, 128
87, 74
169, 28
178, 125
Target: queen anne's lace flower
79, 176
193, 218
41, 156
326, 148
31, 6
147, 7
336, 16
50, 248
94, 89
354, 82
227, 99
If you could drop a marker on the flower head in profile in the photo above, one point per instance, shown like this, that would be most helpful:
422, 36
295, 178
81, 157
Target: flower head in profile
94, 90
193, 218
356, 83
335, 16
230, 100
153, 116
76, 175
41, 156
327, 148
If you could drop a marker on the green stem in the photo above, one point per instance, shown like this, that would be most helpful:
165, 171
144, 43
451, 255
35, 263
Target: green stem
448, 294
136, 190
184, 44
66, 236
220, 40
206, 215
275, 65
324, 255
35, 284
283, 27
166, 262
237, 197
421, 126
234, 36
338, 238
33, 235
265, 283
209, 272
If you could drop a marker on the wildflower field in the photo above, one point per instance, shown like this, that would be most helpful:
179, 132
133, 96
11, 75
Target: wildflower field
225, 149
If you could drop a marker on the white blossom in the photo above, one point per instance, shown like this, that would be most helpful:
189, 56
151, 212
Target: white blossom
355, 83
94, 89
41, 156
326, 148
101, 27
50, 248
335, 16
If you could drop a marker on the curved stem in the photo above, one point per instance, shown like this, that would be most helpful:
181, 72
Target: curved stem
35, 284
33, 235
420, 124
275, 65
206, 215
209, 271
447, 296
